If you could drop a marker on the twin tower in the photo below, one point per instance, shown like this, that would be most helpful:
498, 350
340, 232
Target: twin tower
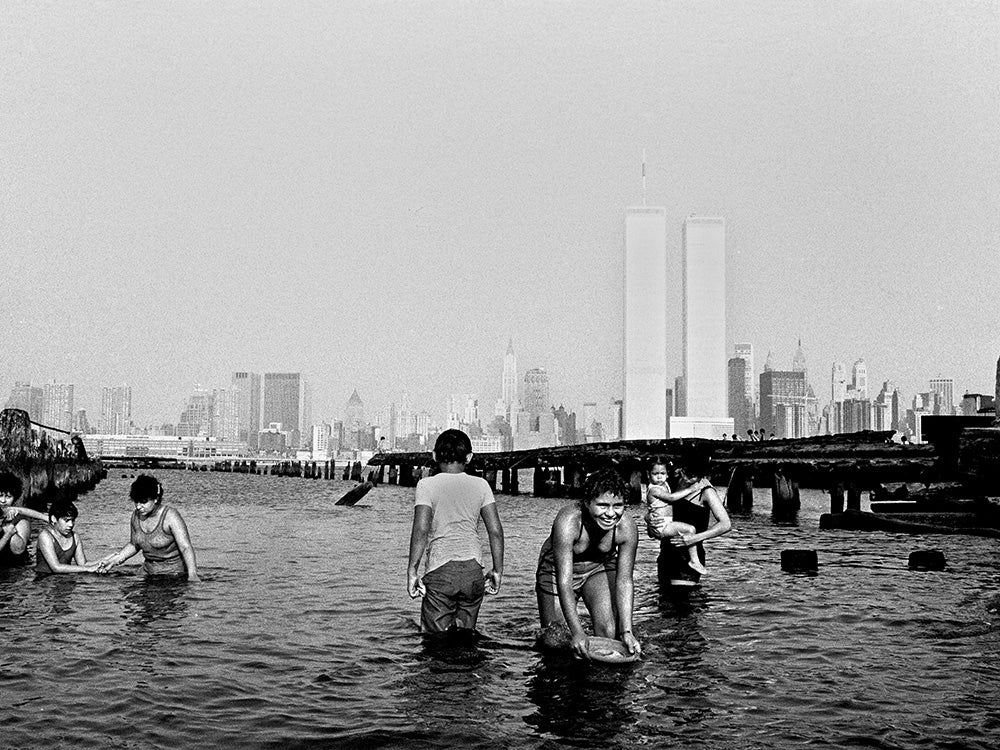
698, 405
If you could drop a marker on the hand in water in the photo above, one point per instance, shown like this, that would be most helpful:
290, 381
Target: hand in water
581, 646
632, 643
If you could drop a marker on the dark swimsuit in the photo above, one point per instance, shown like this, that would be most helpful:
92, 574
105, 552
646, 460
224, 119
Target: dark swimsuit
586, 564
64, 556
160, 549
672, 564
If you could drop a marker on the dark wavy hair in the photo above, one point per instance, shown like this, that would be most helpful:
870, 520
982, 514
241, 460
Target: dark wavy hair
62, 509
11, 485
145, 487
452, 446
604, 481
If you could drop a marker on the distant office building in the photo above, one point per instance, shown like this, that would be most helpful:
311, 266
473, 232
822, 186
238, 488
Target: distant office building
859, 380
783, 404
463, 411
248, 405
565, 426
745, 352
116, 410
282, 401
589, 420
703, 331
945, 388
739, 404
615, 432
196, 419
80, 422
645, 324
536, 392
226, 414
838, 382
57, 405
322, 443
508, 380
974, 404
354, 422
27, 397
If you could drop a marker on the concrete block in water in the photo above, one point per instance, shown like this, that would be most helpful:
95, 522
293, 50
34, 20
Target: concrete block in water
799, 560
926, 559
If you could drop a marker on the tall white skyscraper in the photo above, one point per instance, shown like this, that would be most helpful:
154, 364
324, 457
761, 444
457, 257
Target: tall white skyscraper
508, 380
838, 382
57, 405
945, 388
860, 380
703, 349
644, 407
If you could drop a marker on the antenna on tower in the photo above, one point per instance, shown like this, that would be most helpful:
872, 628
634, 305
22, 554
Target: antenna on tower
644, 177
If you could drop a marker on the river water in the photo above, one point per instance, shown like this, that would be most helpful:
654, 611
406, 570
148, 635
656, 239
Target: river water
301, 635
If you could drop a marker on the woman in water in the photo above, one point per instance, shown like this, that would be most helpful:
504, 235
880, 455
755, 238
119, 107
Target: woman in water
590, 553
159, 531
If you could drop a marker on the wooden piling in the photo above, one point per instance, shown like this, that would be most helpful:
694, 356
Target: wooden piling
853, 496
635, 487
393, 474
837, 498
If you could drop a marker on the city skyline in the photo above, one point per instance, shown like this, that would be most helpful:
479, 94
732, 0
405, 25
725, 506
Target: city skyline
384, 203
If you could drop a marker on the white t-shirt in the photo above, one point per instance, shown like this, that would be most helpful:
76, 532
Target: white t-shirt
455, 501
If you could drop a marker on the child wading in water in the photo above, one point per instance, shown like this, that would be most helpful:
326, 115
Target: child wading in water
659, 514
446, 516
59, 549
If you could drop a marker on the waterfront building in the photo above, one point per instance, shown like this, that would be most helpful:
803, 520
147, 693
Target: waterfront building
975, 404
27, 397
162, 446
248, 406
487, 443
645, 324
116, 410
322, 443
788, 391
739, 404
703, 331
745, 352
354, 422
945, 388
283, 400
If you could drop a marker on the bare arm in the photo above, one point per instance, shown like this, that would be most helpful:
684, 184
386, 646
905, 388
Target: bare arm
116, 558
418, 545
176, 526
721, 526
624, 586
47, 549
16, 536
565, 530
17, 510
494, 530
684, 493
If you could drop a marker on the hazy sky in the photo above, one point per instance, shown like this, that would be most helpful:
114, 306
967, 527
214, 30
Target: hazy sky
380, 194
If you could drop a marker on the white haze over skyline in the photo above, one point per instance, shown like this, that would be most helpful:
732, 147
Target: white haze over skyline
380, 194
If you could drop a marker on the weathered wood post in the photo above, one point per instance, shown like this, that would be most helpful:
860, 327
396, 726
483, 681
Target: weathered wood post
739, 494
784, 496
490, 475
356, 471
393, 474
635, 487
406, 476
574, 480
837, 498
853, 495
538, 481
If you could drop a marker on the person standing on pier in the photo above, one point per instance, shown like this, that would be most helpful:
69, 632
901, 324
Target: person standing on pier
590, 553
698, 510
446, 516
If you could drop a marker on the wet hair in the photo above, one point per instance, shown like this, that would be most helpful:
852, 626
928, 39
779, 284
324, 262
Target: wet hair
10, 485
62, 509
604, 481
697, 464
145, 487
452, 446
660, 461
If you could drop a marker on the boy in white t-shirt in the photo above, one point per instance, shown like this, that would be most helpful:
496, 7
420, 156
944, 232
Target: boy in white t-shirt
446, 515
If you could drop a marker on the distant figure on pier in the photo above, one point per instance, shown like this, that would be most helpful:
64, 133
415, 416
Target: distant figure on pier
590, 553
659, 514
158, 531
59, 549
15, 526
446, 516
752, 436
672, 564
